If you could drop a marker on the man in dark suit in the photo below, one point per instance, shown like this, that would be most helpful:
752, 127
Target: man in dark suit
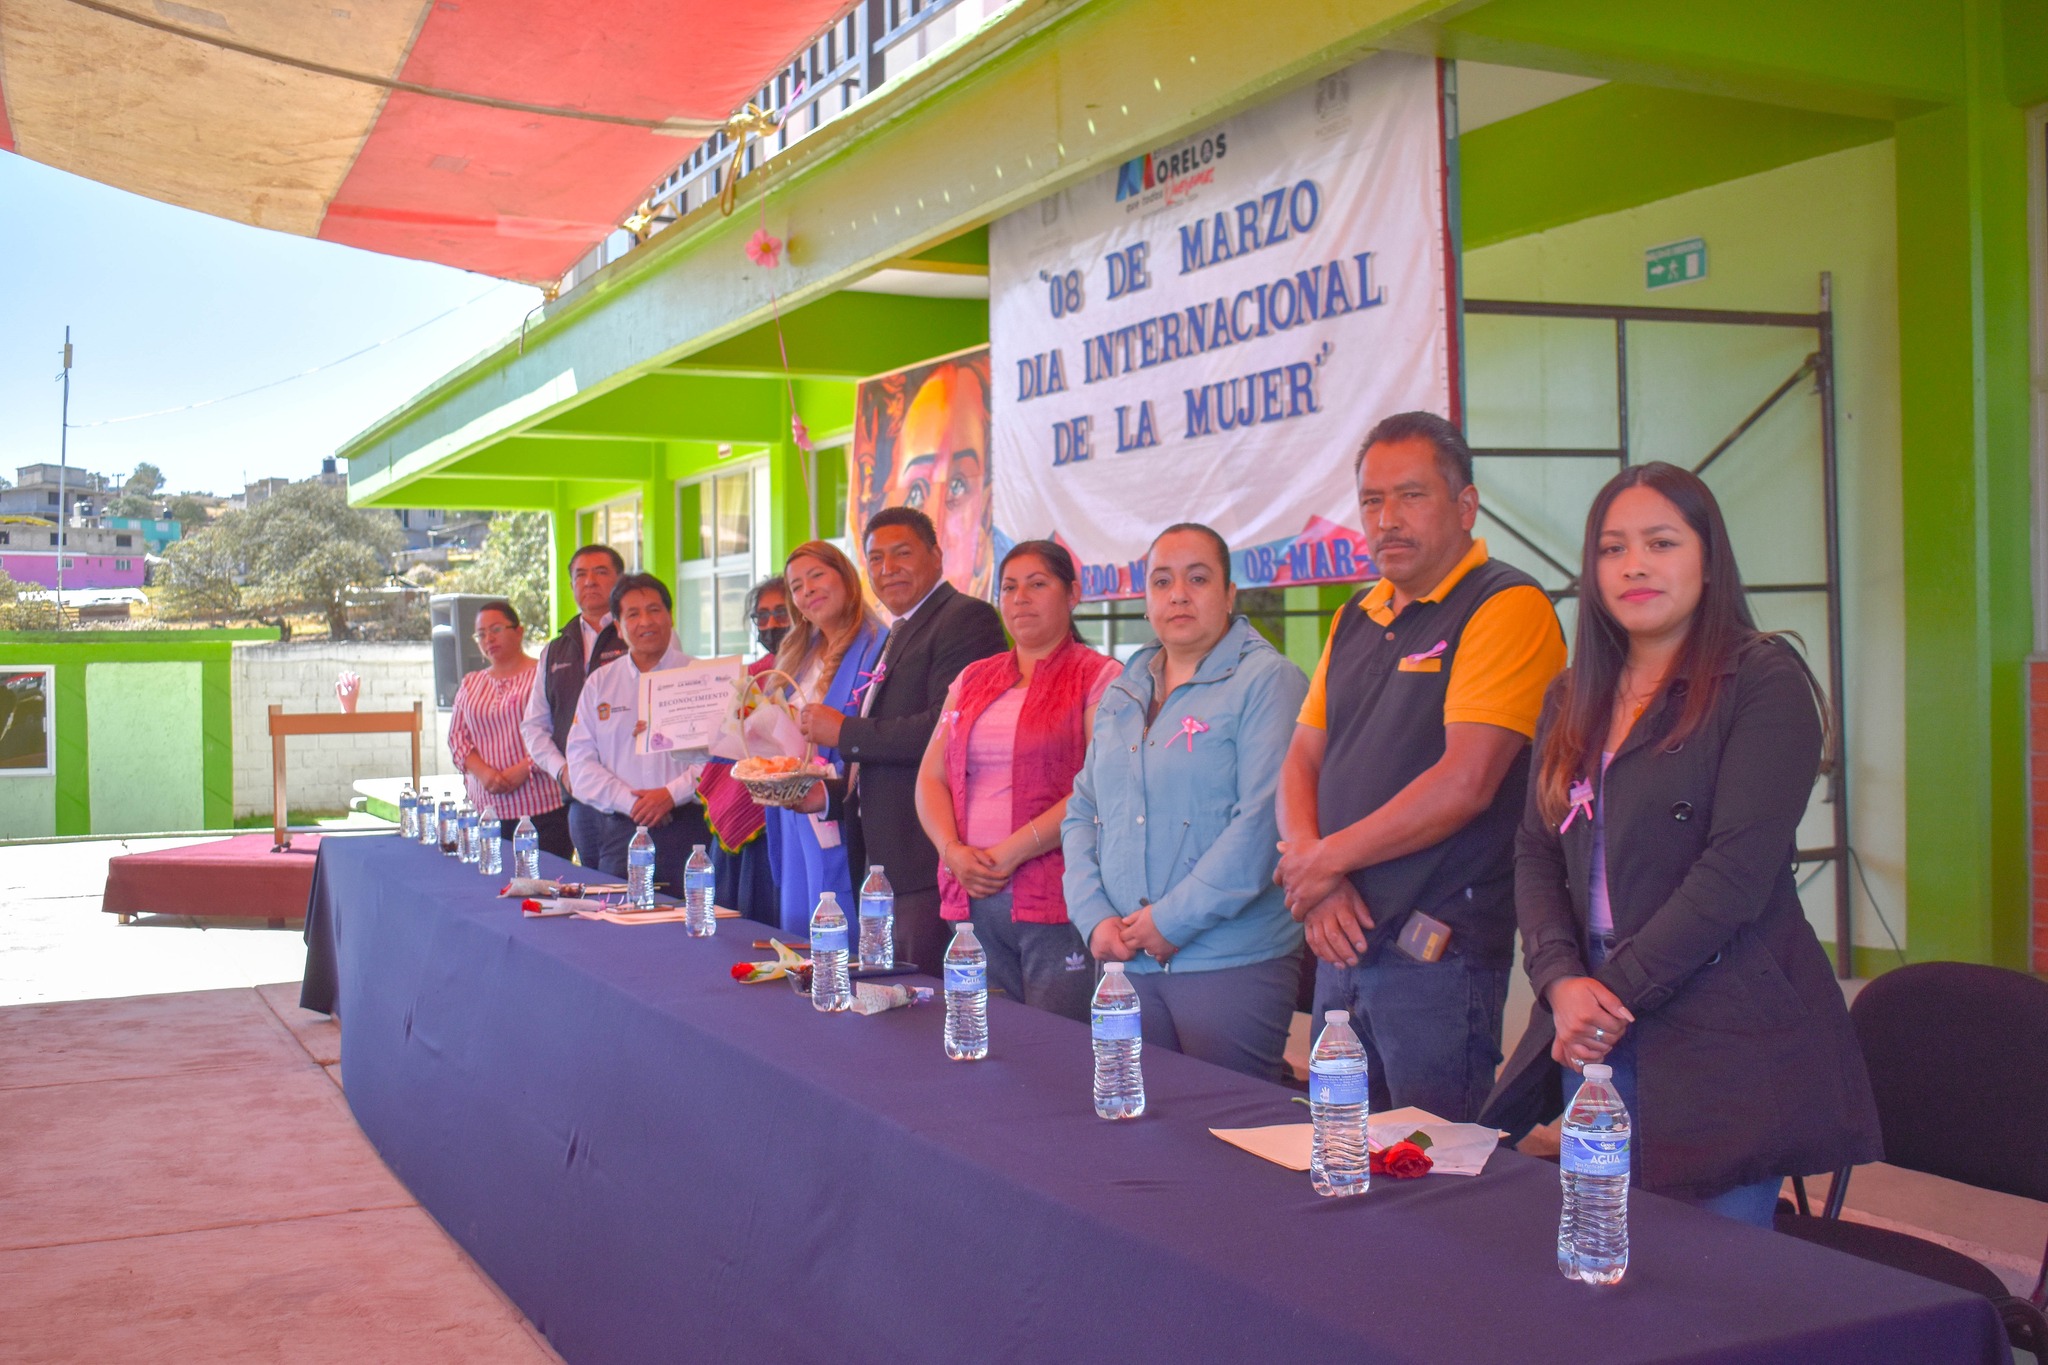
588, 641
938, 631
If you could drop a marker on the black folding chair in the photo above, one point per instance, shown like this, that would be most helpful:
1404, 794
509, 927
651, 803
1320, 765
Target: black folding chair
1958, 1059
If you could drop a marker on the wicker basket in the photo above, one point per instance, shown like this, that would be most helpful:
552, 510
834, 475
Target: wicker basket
789, 790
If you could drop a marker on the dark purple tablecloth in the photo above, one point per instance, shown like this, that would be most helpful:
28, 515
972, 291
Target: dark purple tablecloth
658, 1164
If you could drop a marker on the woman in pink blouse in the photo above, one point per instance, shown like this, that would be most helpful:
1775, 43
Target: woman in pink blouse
996, 777
483, 731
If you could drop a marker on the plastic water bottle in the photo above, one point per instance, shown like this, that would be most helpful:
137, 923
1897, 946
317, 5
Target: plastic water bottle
449, 821
1338, 1163
491, 851
525, 849
428, 820
831, 989
1592, 1231
640, 869
700, 919
408, 812
966, 996
1119, 1069
877, 921
469, 833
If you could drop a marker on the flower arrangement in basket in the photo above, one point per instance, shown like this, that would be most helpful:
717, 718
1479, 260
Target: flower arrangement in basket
771, 778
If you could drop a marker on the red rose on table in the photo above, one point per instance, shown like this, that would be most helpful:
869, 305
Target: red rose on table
742, 970
1403, 1161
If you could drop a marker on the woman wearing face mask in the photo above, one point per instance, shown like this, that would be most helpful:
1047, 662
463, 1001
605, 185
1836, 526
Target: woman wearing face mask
1170, 834
996, 777
832, 649
740, 857
1653, 873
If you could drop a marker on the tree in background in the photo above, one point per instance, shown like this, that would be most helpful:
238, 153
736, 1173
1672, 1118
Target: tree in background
25, 613
514, 564
202, 576
138, 496
188, 512
300, 549
306, 547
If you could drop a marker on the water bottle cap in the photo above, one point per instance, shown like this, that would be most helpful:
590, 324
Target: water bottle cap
1595, 1071
873, 868
696, 848
1336, 1016
1116, 967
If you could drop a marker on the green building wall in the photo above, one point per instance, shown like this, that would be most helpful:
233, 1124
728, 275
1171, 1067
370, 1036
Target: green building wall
141, 724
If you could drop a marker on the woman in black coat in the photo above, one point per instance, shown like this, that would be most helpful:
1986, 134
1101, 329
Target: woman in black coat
1653, 872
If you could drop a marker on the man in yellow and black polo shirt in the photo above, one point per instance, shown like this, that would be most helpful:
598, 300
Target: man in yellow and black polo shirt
1406, 777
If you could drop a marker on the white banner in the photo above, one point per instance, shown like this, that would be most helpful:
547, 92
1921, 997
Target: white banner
1207, 332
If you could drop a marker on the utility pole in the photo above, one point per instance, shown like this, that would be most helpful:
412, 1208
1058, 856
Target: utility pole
63, 458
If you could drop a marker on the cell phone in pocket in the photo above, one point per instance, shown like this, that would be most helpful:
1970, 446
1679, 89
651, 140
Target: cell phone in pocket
1424, 937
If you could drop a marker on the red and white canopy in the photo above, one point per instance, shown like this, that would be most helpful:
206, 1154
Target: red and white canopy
502, 136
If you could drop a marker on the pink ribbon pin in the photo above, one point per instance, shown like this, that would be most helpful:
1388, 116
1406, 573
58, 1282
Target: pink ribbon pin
1433, 653
949, 717
874, 678
1581, 798
1189, 728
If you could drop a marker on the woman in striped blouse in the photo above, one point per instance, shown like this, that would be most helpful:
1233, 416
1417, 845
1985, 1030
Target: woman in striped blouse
483, 731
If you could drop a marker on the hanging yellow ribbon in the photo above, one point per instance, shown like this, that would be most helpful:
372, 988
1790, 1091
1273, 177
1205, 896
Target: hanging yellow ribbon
752, 121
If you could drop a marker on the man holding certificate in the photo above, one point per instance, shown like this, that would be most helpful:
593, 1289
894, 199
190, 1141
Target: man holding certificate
611, 768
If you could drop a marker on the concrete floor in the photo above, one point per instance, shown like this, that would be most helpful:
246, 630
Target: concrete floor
181, 1176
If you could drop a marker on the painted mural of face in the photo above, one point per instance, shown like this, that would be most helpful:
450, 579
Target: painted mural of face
942, 470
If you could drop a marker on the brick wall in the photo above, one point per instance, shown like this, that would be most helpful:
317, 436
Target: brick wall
321, 770
2037, 805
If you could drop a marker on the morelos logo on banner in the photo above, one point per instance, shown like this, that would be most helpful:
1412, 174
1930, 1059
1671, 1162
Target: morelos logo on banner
1208, 331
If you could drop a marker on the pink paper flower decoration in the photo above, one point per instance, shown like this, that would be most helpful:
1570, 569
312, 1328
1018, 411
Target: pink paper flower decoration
799, 431
764, 250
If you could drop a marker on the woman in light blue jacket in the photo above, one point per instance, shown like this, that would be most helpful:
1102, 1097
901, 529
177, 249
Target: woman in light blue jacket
1170, 835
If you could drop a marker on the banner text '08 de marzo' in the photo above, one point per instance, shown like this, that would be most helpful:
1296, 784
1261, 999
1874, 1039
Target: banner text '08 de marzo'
1206, 332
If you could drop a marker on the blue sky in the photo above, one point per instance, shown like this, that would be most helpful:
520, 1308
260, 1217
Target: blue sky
169, 307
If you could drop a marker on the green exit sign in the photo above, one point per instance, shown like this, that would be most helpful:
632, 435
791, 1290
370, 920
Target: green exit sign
1679, 263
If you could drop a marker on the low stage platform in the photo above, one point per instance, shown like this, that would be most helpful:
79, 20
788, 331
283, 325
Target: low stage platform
234, 878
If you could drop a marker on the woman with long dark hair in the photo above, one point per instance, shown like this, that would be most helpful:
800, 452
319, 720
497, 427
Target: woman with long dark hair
996, 777
1653, 872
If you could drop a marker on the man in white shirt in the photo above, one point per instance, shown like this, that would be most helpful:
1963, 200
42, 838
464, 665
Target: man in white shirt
625, 789
587, 642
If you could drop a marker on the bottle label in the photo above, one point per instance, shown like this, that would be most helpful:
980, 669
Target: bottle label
1340, 1084
640, 858
1113, 1026
871, 908
699, 881
832, 940
972, 977
1588, 1151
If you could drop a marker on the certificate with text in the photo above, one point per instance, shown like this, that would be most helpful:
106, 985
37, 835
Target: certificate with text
684, 708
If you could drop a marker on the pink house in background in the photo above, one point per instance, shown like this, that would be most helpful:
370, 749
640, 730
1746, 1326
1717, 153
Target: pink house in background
80, 571
94, 556
39, 567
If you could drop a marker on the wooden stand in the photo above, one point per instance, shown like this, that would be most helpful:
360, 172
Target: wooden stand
331, 723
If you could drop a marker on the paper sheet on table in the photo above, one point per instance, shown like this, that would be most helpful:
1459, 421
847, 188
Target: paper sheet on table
668, 914
1455, 1148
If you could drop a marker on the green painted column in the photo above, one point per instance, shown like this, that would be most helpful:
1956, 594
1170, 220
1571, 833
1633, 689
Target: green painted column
217, 738
69, 732
561, 544
1963, 355
658, 546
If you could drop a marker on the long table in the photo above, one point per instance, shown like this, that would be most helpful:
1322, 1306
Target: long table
659, 1164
